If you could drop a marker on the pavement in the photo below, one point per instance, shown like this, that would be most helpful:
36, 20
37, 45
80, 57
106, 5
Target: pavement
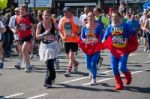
16, 84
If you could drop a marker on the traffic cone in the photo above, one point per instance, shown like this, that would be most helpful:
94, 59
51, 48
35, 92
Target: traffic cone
119, 83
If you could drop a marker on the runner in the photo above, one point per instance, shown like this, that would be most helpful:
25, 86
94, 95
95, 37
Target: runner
91, 35
134, 23
24, 24
2, 30
120, 40
142, 22
103, 22
12, 26
48, 50
83, 17
146, 28
69, 27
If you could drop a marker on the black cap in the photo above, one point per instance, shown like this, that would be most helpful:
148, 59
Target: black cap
67, 9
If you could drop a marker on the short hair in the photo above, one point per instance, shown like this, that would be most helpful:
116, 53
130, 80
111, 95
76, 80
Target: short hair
116, 12
91, 13
47, 11
86, 7
98, 9
68, 9
24, 6
146, 11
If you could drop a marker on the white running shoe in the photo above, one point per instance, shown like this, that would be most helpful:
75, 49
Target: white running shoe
93, 82
28, 68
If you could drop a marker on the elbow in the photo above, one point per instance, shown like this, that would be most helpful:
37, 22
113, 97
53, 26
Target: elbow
38, 37
3, 30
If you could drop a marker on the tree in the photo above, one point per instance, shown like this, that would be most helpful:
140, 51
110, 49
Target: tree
3, 4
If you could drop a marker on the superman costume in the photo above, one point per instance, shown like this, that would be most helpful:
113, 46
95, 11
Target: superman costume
91, 49
121, 40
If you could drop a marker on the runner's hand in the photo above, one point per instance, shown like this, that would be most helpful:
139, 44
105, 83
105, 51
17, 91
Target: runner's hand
47, 31
94, 40
64, 38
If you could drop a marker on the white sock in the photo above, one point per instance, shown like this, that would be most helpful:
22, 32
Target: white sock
19, 61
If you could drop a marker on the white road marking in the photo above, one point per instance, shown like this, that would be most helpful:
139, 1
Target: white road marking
105, 72
147, 62
102, 80
14, 95
73, 80
133, 54
81, 78
38, 96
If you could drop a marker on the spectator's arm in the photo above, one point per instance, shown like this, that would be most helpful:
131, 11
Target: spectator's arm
2, 28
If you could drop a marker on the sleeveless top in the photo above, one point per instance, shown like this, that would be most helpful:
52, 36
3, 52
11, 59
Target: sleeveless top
23, 26
46, 39
69, 28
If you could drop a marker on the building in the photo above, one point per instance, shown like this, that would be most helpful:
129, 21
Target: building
76, 5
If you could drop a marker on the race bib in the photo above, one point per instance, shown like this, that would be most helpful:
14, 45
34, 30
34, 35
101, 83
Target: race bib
22, 27
89, 36
68, 28
48, 38
118, 40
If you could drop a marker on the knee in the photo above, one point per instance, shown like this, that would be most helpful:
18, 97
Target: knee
115, 69
50, 61
68, 55
88, 65
25, 51
123, 68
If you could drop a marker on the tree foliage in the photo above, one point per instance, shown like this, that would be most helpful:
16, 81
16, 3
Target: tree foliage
3, 4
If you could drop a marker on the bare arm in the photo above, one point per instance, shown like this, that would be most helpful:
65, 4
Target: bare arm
2, 30
38, 32
56, 26
63, 37
145, 26
33, 31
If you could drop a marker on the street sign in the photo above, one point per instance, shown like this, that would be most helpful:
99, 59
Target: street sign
36, 3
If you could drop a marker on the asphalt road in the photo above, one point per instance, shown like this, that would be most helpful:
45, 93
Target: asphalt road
16, 84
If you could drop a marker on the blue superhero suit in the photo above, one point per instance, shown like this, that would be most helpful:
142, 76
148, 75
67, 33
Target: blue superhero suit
90, 49
118, 41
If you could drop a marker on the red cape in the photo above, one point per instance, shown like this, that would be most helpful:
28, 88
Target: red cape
132, 46
90, 49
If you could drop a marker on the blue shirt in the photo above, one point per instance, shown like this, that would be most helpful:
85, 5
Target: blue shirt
119, 34
124, 27
97, 32
134, 24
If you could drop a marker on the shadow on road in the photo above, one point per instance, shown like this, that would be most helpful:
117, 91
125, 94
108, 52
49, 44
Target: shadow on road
138, 89
88, 88
147, 70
